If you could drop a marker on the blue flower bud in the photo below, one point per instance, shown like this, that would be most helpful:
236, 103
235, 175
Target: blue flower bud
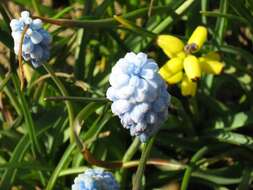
35, 47
95, 179
139, 95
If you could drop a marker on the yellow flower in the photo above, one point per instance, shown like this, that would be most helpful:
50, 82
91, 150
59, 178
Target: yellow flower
183, 66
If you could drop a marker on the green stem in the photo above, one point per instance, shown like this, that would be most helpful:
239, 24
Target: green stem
142, 164
107, 22
127, 157
68, 103
76, 98
131, 26
180, 10
131, 164
189, 168
131, 150
204, 5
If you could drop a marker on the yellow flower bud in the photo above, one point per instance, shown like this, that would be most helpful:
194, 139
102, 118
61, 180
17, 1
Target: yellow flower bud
197, 38
192, 68
170, 45
210, 63
176, 78
188, 88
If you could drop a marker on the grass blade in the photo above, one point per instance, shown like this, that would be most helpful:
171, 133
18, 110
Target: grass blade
189, 168
61, 165
21, 148
28, 119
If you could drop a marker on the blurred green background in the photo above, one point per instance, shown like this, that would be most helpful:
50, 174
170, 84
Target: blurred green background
207, 141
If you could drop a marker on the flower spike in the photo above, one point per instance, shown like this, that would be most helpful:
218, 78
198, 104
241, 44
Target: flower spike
139, 95
36, 42
95, 179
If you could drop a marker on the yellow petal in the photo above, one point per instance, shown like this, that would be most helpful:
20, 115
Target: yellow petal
211, 64
197, 38
181, 54
192, 67
170, 45
176, 78
188, 88
174, 65
164, 72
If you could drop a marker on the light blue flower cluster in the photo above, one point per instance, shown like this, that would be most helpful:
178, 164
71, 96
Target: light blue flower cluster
139, 95
95, 179
36, 40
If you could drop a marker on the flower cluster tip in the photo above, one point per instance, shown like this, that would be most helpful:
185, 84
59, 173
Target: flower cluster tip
36, 42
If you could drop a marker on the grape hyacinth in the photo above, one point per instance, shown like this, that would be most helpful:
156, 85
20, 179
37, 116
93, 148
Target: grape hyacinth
139, 95
36, 42
95, 179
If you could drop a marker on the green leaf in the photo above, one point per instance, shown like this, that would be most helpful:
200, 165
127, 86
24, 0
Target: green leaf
61, 165
189, 169
233, 138
95, 129
221, 23
21, 148
228, 16
131, 26
28, 118
246, 178
238, 51
239, 8
234, 121
71, 171
216, 179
